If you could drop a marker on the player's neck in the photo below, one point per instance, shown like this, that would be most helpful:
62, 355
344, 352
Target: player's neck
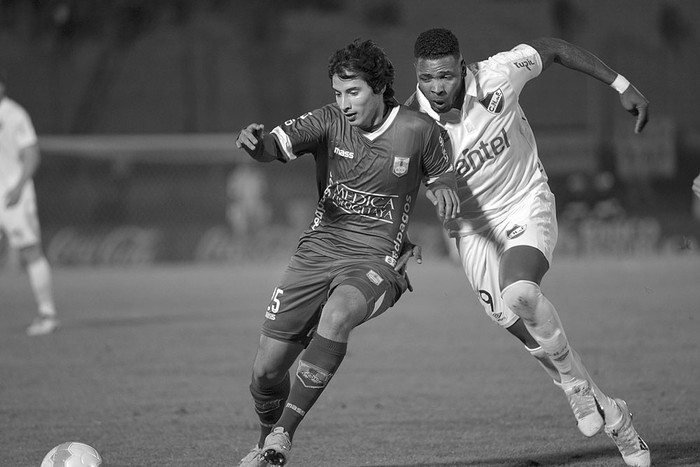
376, 123
459, 100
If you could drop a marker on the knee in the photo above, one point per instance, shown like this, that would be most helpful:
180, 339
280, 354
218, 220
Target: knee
336, 322
266, 375
30, 254
522, 297
346, 309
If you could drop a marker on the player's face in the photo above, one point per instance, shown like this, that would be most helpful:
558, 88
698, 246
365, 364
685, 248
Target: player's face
360, 105
441, 81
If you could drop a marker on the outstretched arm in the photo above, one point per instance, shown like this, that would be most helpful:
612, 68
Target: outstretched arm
256, 143
559, 51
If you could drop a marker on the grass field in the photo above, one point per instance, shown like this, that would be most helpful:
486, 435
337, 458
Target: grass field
151, 367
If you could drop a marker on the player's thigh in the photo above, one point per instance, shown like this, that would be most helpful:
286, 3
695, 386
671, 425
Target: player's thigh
295, 306
528, 238
379, 285
479, 256
346, 308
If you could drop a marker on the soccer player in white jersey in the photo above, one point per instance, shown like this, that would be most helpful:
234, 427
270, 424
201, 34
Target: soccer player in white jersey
19, 159
372, 155
507, 227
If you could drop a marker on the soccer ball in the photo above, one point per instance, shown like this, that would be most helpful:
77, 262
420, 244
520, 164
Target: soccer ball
72, 454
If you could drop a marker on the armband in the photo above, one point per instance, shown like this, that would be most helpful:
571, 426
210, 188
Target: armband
620, 84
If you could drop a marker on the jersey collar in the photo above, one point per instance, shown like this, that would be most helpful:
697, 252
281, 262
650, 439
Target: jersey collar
387, 123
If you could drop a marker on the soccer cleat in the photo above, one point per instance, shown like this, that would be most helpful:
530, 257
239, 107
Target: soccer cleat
253, 459
634, 450
277, 446
589, 418
42, 325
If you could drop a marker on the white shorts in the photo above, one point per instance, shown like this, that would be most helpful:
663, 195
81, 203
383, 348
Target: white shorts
531, 222
20, 222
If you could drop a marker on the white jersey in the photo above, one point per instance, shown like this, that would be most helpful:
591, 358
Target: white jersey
16, 133
493, 147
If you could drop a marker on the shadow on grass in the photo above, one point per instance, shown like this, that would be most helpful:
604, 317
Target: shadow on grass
681, 454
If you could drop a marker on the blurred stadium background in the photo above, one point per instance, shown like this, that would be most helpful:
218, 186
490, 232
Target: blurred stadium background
137, 104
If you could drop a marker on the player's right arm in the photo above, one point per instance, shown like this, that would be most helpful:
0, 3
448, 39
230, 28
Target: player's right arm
297, 136
256, 143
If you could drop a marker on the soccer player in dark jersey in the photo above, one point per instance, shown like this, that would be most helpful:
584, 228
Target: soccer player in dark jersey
371, 156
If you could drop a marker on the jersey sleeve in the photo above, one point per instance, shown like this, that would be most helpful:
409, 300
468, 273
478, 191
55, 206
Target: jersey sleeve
303, 135
436, 159
520, 64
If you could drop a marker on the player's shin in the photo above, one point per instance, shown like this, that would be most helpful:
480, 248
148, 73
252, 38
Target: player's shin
526, 300
269, 404
316, 367
543, 359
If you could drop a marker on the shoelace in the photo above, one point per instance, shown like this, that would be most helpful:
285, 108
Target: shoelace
626, 437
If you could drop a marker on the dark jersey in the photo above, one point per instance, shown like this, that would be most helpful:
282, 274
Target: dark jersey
368, 182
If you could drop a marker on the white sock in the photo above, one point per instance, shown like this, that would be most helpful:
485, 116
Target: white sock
610, 408
543, 359
39, 273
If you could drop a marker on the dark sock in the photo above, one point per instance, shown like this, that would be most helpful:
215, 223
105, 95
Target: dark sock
317, 365
269, 404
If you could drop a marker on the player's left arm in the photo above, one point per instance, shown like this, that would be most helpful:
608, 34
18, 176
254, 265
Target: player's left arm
553, 50
30, 158
439, 176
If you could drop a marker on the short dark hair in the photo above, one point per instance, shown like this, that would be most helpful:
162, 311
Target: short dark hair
367, 61
436, 43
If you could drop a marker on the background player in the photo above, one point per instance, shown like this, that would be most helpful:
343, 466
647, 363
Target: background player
19, 159
507, 228
371, 155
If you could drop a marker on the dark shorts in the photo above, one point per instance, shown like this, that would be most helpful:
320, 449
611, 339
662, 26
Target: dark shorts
295, 307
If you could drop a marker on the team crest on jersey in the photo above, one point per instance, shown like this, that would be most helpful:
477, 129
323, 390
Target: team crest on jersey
493, 102
516, 231
401, 166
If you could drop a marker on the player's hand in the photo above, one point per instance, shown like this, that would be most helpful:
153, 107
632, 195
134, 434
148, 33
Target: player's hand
12, 196
696, 186
446, 200
635, 103
250, 137
408, 250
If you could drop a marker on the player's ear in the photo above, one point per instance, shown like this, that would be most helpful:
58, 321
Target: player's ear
464, 68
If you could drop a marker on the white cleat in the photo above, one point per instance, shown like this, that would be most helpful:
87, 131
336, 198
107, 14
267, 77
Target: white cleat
253, 459
589, 418
277, 447
634, 450
42, 325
